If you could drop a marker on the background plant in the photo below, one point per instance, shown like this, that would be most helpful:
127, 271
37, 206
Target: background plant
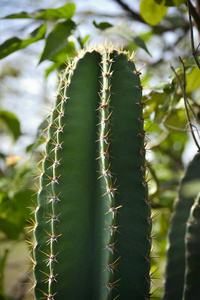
160, 28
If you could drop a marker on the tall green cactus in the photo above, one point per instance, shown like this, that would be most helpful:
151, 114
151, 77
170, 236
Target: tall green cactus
175, 269
192, 275
93, 218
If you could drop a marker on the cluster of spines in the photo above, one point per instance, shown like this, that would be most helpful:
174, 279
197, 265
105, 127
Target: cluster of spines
105, 114
49, 179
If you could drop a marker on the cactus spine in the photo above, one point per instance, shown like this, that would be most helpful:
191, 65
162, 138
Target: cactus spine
93, 219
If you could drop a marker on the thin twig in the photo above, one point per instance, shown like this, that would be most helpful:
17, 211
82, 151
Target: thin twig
194, 51
195, 14
133, 14
183, 86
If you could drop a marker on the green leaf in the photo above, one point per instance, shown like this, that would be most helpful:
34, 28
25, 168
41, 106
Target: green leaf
85, 39
64, 12
15, 44
60, 58
2, 297
64, 53
102, 25
171, 2
154, 103
176, 119
193, 80
126, 32
11, 228
11, 122
57, 39
14, 212
152, 12
191, 62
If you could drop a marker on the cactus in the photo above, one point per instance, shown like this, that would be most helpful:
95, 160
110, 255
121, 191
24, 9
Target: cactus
175, 269
192, 277
93, 217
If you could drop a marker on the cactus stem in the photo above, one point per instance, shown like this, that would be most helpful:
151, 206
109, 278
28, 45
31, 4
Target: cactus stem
112, 219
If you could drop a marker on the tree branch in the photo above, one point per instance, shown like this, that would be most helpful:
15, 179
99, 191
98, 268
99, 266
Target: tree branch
194, 12
132, 13
159, 29
194, 51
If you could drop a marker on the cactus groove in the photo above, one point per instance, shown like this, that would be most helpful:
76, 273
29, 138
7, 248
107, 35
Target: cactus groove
93, 217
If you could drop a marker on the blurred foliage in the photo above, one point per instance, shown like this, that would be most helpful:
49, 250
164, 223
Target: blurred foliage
165, 118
